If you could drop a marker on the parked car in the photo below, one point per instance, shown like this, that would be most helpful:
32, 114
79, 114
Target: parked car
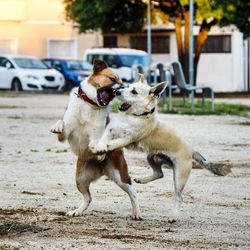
19, 72
73, 70
120, 60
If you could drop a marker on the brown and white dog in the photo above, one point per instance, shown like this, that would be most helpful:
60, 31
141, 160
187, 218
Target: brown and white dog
83, 125
138, 125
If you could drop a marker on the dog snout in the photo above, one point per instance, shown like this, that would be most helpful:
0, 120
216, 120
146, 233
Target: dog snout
119, 90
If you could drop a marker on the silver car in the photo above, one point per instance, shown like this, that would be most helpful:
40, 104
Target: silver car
19, 72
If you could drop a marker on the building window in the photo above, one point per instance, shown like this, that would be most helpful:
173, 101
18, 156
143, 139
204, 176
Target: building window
8, 46
217, 44
62, 48
160, 43
110, 41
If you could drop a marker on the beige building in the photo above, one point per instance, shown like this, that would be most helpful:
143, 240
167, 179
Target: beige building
39, 28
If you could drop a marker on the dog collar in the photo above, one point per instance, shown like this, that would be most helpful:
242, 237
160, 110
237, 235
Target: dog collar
146, 113
84, 96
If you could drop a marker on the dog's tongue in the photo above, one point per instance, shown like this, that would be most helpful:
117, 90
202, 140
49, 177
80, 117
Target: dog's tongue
104, 96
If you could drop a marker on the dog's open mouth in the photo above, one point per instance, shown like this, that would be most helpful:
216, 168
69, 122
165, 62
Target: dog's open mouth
124, 107
105, 96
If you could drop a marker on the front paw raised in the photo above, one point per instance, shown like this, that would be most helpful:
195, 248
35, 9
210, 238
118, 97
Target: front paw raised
57, 128
99, 149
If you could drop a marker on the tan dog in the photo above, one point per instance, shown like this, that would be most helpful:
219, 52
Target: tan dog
83, 124
137, 124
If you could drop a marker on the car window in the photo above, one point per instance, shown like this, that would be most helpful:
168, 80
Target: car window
91, 57
30, 63
111, 60
74, 65
58, 65
48, 62
4, 61
87, 66
130, 60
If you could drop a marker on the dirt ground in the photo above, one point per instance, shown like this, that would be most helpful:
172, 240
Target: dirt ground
37, 187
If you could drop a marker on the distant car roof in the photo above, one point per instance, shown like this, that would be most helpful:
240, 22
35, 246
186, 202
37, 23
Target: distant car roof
19, 56
62, 59
115, 51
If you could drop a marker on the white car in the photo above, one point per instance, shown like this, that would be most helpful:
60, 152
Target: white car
121, 60
19, 72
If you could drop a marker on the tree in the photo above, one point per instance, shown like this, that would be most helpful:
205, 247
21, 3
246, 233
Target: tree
125, 16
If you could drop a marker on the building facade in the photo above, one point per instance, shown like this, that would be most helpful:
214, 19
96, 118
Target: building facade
224, 62
39, 27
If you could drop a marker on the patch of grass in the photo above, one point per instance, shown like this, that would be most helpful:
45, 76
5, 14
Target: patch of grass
15, 227
11, 107
220, 108
62, 150
34, 150
246, 123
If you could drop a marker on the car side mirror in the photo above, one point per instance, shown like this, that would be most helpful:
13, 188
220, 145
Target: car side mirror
8, 65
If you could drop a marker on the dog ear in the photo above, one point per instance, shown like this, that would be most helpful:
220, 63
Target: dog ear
158, 89
99, 65
142, 79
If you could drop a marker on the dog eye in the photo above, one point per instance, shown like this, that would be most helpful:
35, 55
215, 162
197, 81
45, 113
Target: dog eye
134, 92
112, 79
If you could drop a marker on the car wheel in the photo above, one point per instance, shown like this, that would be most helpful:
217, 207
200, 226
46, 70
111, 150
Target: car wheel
16, 85
69, 85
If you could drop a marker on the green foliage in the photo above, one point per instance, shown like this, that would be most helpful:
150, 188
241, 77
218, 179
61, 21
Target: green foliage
125, 16
236, 12
109, 16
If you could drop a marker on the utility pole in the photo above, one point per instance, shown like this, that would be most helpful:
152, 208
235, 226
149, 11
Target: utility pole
191, 42
191, 47
149, 30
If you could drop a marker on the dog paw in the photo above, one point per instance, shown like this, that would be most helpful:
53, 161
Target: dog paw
57, 128
172, 218
140, 180
101, 157
99, 149
136, 216
75, 213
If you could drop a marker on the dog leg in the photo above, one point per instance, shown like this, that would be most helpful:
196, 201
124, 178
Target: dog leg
86, 172
181, 171
114, 175
58, 128
155, 163
119, 143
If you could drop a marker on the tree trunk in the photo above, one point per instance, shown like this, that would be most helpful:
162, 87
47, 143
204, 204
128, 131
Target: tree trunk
200, 41
178, 33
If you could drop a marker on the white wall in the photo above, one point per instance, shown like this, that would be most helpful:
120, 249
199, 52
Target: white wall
224, 72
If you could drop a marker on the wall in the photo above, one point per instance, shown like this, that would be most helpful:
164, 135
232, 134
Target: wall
26, 26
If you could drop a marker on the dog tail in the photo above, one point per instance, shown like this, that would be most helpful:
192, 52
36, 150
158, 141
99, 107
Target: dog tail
218, 170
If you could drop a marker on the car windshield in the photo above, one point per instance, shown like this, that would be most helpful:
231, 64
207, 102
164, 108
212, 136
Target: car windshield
75, 65
30, 63
130, 60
